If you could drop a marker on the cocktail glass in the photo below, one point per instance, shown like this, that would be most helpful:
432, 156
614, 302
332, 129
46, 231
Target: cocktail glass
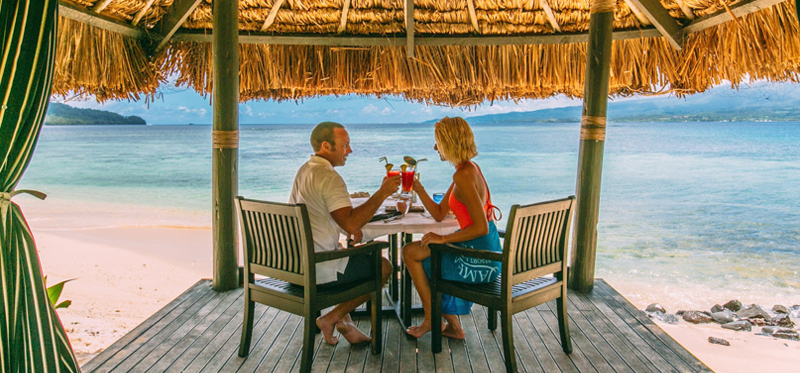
408, 180
403, 203
393, 172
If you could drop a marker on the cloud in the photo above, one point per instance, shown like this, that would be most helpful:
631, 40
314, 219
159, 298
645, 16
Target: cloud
370, 109
200, 112
247, 110
387, 111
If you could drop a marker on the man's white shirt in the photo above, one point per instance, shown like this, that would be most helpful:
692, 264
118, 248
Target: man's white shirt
322, 190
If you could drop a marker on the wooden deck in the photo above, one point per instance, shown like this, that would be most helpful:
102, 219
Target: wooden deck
199, 332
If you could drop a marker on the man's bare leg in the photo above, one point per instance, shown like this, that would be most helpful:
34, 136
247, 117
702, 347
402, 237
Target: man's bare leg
339, 316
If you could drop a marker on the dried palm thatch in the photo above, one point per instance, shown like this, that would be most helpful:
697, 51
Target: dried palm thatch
107, 65
761, 45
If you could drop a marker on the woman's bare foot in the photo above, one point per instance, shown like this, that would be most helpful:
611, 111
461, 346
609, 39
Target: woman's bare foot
418, 331
351, 333
449, 331
326, 327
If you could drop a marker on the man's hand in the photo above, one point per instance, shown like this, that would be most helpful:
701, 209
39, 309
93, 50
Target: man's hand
353, 239
390, 185
430, 238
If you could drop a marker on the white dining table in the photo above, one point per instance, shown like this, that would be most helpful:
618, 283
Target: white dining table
410, 224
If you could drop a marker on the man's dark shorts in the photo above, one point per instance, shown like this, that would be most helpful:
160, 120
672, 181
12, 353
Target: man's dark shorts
359, 267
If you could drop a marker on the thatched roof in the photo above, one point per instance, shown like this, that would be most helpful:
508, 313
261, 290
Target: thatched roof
464, 51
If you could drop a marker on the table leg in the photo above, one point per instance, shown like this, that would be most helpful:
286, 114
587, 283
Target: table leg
395, 259
405, 304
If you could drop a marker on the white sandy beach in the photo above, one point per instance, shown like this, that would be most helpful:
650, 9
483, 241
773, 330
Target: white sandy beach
124, 275
121, 277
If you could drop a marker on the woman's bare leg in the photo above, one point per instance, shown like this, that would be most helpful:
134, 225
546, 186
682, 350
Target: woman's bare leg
453, 327
413, 255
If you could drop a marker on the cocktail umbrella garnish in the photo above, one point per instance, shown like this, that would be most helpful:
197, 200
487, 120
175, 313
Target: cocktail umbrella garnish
411, 161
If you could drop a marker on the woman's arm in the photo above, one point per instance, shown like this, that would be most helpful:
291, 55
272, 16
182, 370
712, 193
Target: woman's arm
467, 181
437, 211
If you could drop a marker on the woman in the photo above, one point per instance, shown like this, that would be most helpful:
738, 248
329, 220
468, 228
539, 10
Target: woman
469, 199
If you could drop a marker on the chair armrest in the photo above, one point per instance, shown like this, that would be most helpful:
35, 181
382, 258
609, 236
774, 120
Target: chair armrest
502, 233
450, 248
361, 249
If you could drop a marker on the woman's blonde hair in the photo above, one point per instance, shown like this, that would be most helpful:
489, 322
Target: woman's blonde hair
455, 140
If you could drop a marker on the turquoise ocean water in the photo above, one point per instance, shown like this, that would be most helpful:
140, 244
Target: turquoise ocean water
689, 211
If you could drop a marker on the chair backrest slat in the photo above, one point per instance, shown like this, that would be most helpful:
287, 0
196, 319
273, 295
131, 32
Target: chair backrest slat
276, 236
540, 235
549, 241
536, 235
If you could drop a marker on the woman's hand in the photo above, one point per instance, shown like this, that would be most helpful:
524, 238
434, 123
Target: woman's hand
430, 238
417, 187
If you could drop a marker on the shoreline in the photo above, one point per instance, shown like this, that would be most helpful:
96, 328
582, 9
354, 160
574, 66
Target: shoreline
123, 275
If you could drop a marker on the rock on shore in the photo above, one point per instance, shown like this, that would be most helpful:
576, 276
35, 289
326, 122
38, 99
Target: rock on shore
776, 322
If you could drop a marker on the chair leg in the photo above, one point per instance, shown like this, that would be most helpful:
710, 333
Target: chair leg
247, 325
436, 321
563, 324
507, 321
316, 328
492, 318
377, 323
307, 355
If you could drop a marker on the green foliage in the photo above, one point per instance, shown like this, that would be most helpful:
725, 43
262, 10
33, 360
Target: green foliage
54, 292
65, 115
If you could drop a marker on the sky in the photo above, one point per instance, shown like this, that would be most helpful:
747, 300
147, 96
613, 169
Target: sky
184, 106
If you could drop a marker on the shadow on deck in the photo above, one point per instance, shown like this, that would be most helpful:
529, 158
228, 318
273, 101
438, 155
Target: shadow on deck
199, 332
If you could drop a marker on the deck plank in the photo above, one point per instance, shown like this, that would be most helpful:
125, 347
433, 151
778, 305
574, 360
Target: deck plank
619, 344
218, 350
269, 330
662, 336
677, 363
492, 341
391, 349
527, 359
169, 351
603, 357
574, 362
129, 343
374, 362
200, 331
474, 346
625, 328
151, 339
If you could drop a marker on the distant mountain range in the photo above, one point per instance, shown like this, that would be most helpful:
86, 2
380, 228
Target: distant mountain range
760, 102
64, 115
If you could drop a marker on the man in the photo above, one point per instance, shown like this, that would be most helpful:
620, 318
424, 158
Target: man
325, 195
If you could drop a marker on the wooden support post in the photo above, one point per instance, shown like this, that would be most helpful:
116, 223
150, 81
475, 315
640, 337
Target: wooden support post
593, 134
225, 139
410, 28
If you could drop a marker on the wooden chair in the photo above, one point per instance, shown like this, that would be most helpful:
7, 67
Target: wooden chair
278, 244
535, 245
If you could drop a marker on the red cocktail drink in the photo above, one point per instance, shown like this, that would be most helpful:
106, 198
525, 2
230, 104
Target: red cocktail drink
392, 173
408, 180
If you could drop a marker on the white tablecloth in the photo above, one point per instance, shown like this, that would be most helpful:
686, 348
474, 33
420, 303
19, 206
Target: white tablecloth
410, 223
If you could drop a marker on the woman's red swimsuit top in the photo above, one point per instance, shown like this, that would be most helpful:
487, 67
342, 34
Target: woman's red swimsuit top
460, 210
